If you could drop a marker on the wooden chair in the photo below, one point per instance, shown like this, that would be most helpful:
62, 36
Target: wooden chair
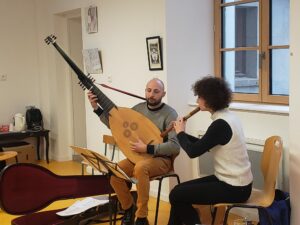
108, 140
27, 188
260, 199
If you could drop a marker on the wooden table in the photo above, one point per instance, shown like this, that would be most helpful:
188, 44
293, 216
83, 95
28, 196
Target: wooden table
6, 136
7, 155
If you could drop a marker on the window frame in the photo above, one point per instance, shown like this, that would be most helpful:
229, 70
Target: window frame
264, 48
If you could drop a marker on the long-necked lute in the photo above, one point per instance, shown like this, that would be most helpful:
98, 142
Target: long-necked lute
126, 124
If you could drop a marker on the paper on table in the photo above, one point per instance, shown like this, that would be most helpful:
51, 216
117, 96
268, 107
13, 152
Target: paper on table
83, 205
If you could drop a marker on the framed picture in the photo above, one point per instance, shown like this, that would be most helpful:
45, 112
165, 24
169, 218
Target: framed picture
154, 53
92, 19
92, 61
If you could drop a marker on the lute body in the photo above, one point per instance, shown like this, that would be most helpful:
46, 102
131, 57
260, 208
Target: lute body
126, 124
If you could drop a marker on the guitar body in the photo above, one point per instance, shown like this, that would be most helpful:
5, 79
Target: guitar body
128, 125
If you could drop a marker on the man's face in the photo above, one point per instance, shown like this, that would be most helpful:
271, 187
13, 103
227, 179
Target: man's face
154, 92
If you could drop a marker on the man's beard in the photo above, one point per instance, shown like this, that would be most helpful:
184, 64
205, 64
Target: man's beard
153, 103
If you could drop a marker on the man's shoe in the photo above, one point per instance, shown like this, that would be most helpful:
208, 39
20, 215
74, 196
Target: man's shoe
141, 221
128, 217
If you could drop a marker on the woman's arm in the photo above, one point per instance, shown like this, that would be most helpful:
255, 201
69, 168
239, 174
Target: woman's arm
218, 133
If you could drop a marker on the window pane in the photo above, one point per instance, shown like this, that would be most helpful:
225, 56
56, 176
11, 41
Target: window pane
280, 22
240, 25
226, 1
280, 72
240, 70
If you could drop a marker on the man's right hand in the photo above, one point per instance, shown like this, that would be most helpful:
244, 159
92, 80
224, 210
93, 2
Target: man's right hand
93, 99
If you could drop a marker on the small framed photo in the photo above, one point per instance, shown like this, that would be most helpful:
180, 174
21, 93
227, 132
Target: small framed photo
154, 53
92, 19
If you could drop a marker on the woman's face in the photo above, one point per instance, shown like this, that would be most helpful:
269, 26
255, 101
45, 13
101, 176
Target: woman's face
202, 104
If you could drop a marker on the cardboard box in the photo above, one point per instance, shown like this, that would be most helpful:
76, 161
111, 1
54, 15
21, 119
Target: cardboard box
26, 154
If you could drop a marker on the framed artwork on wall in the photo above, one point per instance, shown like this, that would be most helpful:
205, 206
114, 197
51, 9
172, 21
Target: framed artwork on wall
92, 61
92, 19
154, 53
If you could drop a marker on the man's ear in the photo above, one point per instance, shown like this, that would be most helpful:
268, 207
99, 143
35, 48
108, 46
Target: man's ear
164, 94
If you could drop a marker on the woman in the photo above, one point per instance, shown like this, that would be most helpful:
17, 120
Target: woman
224, 138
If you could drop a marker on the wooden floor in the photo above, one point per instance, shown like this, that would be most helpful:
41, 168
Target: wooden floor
74, 168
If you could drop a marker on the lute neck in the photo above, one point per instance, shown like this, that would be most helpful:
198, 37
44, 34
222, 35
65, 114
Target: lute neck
105, 103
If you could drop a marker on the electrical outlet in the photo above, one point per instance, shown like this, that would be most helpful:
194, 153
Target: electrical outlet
3, 77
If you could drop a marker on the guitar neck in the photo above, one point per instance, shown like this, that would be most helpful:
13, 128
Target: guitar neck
105, 103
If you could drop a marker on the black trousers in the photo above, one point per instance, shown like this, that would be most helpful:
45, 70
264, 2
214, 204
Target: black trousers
203, 191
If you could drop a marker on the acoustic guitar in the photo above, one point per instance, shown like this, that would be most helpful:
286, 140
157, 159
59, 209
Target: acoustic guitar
126, 124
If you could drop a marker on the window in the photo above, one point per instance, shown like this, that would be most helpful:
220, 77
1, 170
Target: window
252, 48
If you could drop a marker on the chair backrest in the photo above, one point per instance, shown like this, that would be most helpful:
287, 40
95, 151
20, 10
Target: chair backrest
109, 140
270, 164
27, 188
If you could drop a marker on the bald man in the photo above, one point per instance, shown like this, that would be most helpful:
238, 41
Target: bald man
162, 116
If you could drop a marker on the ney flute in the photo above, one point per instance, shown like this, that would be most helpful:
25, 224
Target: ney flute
165, 132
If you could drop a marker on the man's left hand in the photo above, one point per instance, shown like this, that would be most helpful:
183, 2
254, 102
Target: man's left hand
138, 146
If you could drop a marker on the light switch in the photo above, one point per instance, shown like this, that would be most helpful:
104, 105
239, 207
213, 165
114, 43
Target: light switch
3, 77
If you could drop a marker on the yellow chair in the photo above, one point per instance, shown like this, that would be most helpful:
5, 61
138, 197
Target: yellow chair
107, 140
260, 199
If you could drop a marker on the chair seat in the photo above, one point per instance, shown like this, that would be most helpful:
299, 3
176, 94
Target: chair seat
257, 198
169, 174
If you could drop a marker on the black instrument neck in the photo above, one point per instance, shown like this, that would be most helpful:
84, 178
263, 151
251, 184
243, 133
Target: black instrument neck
105, 103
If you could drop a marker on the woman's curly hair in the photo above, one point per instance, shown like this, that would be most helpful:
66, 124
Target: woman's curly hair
215, 91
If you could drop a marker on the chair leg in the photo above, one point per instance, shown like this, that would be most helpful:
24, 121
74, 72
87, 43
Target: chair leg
158, 195
178, 180
226, 215
82, 169
214, 214
217, 214
157, 201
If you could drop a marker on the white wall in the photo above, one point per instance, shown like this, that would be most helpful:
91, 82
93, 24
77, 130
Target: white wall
189, 57
18, 58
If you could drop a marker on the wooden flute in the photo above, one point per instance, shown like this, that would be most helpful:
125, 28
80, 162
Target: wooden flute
165, 132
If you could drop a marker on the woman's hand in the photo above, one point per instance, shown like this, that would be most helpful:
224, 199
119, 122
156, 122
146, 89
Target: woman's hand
179, 125
93, 99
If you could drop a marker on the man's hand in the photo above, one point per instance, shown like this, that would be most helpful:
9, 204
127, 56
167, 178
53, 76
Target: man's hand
138, 146
93, 99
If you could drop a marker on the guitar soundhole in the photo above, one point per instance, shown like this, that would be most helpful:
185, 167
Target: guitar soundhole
125, 124
133, 126
127, 133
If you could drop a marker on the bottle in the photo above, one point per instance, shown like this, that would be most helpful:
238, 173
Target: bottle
11, 127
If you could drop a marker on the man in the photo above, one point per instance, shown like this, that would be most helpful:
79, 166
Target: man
162, 116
